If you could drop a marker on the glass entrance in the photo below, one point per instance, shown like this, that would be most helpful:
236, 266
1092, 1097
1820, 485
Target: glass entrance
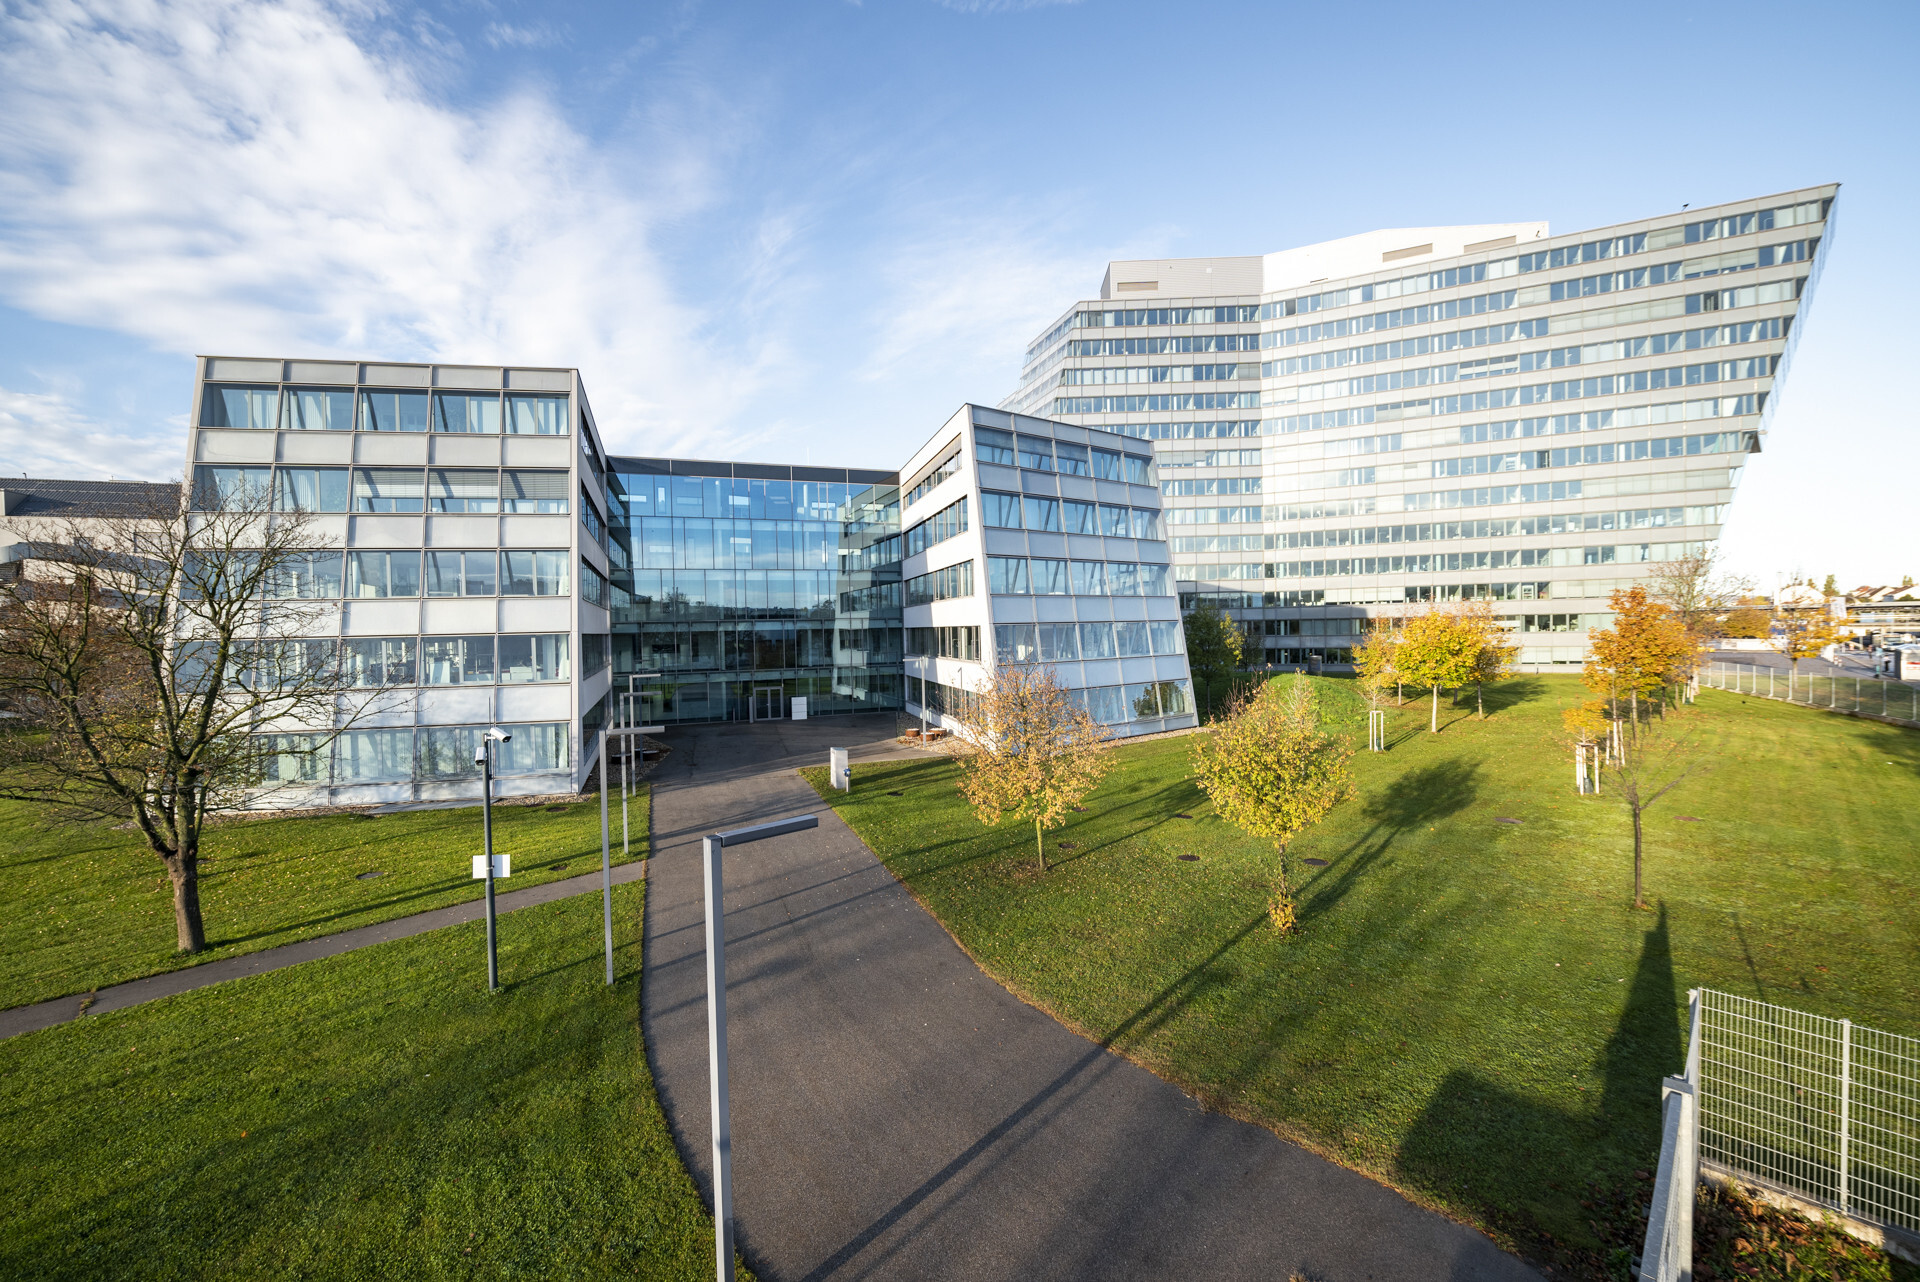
769, 703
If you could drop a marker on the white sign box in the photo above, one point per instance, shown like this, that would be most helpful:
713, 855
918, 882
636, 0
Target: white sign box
799, 707
502, 866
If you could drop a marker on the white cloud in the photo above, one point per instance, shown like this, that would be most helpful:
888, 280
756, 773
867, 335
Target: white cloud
42, 434
261, 178
505, 35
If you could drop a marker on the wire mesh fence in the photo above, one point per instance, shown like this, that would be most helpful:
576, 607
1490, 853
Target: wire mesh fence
1871, 696
1822, 1108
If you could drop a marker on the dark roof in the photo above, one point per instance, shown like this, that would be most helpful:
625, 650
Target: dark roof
750, 471
29, 497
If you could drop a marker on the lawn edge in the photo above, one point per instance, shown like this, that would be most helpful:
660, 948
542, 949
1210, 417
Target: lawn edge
1505, 1241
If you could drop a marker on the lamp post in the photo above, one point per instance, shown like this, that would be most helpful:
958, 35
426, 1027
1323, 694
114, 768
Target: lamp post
716, 939
484, 759
606, 857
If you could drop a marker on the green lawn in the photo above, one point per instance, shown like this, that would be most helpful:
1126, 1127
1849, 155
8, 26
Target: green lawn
88, 906
375, 1114
1472, 1010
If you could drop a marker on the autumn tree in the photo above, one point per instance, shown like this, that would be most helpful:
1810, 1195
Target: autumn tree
1804, 634
158, 660
1437, 649
1700, 595
1495, 655
1272, 771
1216, 646
1373, 661
1665, 755
1747, 621
1030, 753
1646, 649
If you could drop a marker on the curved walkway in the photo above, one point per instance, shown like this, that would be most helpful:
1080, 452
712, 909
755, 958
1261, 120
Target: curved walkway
898, 1114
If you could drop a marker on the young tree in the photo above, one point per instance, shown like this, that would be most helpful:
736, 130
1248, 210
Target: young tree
1748, 622
1436, 649
1271, 771
1215, 644
157, 660
1645, 650
1831, 588
1699, 595
1031, 753
1804, 634
1373, 661
1667, 754
1495, 656
1587, 727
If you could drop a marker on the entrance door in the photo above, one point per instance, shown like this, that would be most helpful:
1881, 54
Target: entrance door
769, 703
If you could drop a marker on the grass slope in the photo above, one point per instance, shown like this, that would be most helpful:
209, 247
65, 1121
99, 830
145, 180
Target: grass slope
1472, 1009
87, 906
376, 1114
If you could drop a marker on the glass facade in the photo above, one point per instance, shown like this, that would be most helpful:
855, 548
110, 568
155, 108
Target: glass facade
1565, 343
748, 586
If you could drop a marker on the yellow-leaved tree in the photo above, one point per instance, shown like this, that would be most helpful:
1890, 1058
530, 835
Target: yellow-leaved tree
1438, 649
1804, 634
1272, 771
1646, 649
1031, 753
1373, 661
1496, 654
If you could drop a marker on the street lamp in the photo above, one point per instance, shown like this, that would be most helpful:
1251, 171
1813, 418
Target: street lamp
606, 859
484, 759
717, 1028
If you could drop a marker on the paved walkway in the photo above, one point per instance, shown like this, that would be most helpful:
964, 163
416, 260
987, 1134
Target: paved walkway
897, 1114
27, 1019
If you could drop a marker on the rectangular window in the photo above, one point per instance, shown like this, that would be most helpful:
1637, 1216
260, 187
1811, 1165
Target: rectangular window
1146, 523
393, 411
947, 643
1106, 705
383, 574
1049, 577
533, 748
460, 573
1153, 580
1123, 578
1001, 510
1175, 698
1106, 465
527, 491
1007, 576
941, 471
1059, 642
595, 652
1139, 469
447, 752
1016, 643
456, 661
1035, 452
1041, 514
1072, 459
475, 412
294, 758
389, 489
992, 446
463, 490
307, 575
224, 405
534, 658
589, 517
382, 661
223, 488
310, 489
1079, 518
1143, 701
1090, 578
1096, 641
373, 756
1166, 636
537, 415
533, 574
317, 409
1115, 522
941, 585
593, 585
1130, 640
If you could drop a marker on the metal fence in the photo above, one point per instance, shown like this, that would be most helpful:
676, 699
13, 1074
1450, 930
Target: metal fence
1668, 1254
1895, 700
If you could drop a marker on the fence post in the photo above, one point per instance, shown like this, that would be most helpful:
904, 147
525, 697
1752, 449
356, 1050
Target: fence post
1846, 1091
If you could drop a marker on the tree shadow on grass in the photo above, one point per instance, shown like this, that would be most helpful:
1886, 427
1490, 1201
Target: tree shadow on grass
1418, 797
1503, 695
1563, 1184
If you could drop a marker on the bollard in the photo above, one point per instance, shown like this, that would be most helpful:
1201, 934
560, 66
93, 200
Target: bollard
838, 773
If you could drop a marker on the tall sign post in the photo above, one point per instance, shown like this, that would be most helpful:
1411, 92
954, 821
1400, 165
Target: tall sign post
484, 759
717, 1027
625, 733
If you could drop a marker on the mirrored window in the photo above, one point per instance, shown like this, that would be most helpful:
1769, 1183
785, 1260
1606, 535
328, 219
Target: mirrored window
317, 409
382, 411
467, 412
536, 415
232, 405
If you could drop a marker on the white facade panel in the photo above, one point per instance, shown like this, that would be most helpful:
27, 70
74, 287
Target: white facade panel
536, 614
390, 449
382, 618
235, 447
518, 530
536, 703
459, 616
316, 447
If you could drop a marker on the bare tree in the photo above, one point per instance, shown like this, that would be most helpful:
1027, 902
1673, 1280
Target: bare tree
1030, 753
1668, 752
159, 663
1700, 596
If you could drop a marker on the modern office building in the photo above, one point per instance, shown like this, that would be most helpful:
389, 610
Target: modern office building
486, 562
1358, 429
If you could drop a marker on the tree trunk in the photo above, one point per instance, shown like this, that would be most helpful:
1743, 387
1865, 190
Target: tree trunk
1633, 703
1639, 900
1280, 909
1480, 700
183, 870
1433, 723
1040, 844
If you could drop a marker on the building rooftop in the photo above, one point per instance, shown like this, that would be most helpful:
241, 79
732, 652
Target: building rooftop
27, 496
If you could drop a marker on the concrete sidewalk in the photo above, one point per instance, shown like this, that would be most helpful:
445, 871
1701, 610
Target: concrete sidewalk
27, 1019
898, 1114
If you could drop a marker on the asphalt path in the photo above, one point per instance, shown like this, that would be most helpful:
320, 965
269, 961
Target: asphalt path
898, 1114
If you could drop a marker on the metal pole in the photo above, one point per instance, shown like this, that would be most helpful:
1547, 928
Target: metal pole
717, 1066
1846, 1090
486, 836
626, 781
606, 862
923, 702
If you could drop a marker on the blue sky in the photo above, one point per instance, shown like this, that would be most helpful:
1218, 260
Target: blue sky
809, 230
